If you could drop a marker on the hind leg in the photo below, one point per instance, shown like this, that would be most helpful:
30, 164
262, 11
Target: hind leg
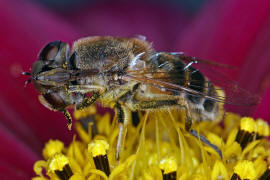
124, 118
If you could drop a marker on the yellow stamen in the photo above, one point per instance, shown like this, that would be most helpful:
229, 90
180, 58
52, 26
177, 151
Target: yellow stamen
263, 128
245, 170
248, 124
59, 165
98, 147
52, 147
168, 165
247, 131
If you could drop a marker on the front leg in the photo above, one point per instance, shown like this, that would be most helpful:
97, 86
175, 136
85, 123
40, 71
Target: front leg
83, 89
88, 101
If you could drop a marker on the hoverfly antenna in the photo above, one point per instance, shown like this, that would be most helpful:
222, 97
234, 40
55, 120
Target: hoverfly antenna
26, 73
29, 80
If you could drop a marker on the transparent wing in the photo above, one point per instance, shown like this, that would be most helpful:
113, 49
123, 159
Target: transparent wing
235, 95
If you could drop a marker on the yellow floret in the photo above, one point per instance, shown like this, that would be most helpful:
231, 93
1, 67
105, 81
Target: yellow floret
98, 147
245, 170
52, 147
57, 162
168, 165
248, 124
263, 128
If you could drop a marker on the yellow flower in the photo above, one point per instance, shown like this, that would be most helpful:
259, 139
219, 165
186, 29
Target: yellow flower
158, 147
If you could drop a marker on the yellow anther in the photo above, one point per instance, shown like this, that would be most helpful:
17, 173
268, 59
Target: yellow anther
51, 148
78, 114
248, 124
98, 147
245, 170
168, 165
263, 128
57, 163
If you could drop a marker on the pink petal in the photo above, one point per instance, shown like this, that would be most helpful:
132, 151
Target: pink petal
120, 18
21, 39
225, 31
15, 156
262, 111
235, 33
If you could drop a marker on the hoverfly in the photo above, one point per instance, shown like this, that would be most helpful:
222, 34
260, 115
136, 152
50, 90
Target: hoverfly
130, 75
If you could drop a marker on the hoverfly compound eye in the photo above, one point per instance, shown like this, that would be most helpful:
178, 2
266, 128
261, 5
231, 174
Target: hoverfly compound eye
55, 53
50, 51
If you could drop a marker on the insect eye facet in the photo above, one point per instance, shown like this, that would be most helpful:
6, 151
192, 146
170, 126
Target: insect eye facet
49, 51
54, 54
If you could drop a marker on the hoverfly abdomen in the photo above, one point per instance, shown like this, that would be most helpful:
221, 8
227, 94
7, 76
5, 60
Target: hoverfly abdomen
186, 76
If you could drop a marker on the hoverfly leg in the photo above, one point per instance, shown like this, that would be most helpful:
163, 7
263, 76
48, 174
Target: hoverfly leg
85, 89
206, 141
124, 117
67, 115
88, 101
135, 118
188, 124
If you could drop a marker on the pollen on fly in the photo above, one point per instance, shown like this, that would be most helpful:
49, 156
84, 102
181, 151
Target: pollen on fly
132, 76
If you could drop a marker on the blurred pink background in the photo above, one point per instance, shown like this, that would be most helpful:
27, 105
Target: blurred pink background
227, 31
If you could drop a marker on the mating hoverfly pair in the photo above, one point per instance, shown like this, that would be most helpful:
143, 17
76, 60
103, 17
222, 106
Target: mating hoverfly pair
130, 75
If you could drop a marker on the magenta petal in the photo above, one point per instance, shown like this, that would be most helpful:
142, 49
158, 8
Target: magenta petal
255, 73
17, 155
225, 31
28, 27
262, 111
235, 33
8, 171
124, 18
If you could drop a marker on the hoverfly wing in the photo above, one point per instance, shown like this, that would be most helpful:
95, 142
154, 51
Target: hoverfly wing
168, 86
235, 95
162, 79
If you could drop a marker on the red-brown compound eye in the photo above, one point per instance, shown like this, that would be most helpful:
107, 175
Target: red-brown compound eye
55, 101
